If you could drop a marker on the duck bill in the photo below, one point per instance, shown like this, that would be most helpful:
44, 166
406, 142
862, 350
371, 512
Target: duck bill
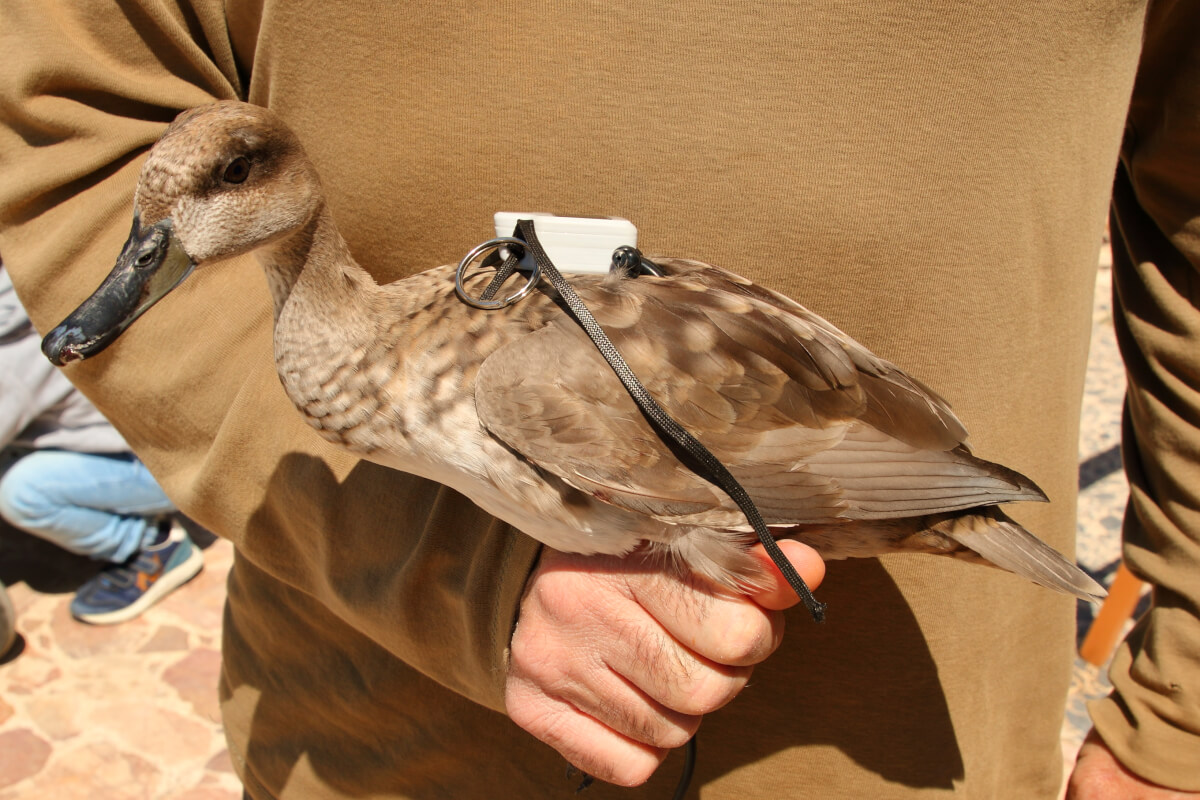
151, 264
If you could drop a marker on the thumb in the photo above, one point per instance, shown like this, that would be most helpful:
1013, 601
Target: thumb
779, 594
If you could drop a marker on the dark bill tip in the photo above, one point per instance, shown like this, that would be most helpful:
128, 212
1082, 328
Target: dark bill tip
151, 264
64, 345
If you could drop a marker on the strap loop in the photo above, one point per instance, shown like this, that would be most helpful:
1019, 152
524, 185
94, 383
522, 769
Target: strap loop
485, 300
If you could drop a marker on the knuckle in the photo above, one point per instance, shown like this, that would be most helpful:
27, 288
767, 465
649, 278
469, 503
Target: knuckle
674, 737
551, 596
540, 660
631, 771
712, 691
656, 728
525, 660
525, 707
749, 639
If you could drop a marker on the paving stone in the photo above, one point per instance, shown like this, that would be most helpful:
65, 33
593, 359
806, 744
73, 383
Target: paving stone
221, 762
57, 716
168, 638
22, 754
195, 677
163, 735
30, 672
200, 605
98, 771
80, 640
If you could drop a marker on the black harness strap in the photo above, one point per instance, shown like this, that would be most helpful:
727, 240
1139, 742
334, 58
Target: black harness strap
658, 417
630, 258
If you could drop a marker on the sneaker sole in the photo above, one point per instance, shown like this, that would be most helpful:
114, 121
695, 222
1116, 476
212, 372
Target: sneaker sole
168, 583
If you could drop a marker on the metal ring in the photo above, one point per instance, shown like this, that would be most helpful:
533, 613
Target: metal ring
476, 252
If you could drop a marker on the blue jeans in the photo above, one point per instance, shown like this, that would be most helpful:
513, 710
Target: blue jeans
103, 506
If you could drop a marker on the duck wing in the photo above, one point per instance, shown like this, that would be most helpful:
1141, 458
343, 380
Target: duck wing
815, 427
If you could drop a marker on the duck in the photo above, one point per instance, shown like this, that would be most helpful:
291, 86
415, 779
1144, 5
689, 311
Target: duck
518, 411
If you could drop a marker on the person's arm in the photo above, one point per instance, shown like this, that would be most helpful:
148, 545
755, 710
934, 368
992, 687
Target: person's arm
87, 87
14, 396
28, 385
1151, 722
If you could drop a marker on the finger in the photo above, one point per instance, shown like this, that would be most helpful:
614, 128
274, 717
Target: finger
717, 624
585, 742
780, 595
605, 684
620, 705
584, 640
673, 676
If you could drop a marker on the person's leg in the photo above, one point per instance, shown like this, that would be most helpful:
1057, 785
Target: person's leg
105, 507
108, 508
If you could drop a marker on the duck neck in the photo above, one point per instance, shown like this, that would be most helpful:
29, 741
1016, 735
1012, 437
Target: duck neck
313, 268
323, 321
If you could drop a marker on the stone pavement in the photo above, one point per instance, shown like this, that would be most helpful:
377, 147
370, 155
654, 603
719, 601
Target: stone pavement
127, 712
130, 711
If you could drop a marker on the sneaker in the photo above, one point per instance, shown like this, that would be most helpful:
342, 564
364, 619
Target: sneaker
123, 591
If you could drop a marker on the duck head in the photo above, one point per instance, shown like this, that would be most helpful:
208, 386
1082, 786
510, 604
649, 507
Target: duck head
224, 179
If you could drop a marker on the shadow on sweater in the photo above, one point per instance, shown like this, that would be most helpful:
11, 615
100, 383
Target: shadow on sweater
319, 708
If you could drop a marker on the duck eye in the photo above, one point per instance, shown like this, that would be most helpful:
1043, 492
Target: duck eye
236, 171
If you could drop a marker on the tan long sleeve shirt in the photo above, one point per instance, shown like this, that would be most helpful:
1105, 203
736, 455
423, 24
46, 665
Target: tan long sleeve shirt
931, 177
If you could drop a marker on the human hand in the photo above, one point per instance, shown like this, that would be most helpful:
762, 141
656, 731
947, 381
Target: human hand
613, 665
1099, 776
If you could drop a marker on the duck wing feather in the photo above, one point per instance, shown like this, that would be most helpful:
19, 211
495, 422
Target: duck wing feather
816, 427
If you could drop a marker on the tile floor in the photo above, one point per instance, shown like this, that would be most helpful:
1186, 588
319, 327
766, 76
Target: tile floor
130, 712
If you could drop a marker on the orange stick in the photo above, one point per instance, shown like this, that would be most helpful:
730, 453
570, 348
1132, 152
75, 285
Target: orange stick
1118, 607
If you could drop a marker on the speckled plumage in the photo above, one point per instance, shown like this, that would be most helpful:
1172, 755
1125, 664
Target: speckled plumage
517, 410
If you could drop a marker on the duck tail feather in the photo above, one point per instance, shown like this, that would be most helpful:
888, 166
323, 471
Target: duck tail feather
1004, 543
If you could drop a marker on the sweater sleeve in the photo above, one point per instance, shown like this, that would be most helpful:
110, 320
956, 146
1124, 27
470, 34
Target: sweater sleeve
1151, 722
418, 570
17, 406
